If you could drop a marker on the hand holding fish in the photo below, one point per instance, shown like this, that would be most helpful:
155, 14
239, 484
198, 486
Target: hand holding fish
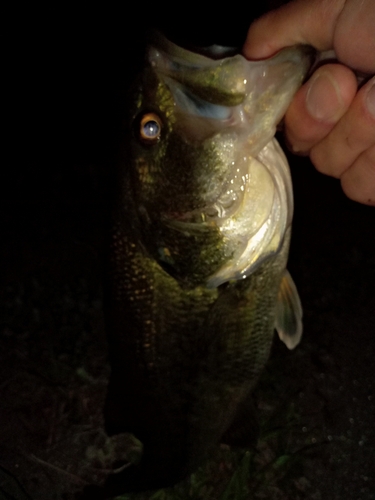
329, 118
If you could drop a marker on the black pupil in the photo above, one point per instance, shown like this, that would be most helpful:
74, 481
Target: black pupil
151, 128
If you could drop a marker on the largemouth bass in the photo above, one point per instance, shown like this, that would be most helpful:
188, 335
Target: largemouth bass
197, 279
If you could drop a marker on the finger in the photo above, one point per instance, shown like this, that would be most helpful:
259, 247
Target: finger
354, 39
351, 136
318, 106
307, 21
358, 182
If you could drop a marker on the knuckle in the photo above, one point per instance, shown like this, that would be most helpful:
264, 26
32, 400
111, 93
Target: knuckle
368, 159
351, 143
323, 162
358, 182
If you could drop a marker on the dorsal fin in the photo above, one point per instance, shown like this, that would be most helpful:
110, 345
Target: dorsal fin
288, 312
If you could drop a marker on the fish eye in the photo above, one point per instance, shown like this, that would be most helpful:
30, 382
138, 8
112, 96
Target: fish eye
150, 127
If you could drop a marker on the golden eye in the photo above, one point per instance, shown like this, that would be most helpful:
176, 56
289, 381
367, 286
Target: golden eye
150, 128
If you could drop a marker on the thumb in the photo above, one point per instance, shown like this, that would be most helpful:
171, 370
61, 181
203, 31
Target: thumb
309, 22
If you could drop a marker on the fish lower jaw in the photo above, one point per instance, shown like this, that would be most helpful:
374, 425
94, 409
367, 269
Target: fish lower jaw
252, 254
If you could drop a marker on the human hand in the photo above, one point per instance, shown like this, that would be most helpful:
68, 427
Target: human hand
329, 119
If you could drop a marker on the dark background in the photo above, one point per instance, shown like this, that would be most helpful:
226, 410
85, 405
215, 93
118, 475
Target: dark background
63, 103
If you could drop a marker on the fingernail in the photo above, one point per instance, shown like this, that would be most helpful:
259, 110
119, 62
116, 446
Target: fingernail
323, 99
370, 99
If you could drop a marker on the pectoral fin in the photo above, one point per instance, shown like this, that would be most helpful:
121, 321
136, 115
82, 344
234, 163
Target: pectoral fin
288, 313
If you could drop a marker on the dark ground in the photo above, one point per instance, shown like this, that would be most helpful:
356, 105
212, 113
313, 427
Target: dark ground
316, 404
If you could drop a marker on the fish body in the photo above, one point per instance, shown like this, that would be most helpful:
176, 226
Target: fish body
197, 276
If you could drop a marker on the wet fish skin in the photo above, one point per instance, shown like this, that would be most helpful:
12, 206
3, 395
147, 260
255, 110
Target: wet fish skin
191, 303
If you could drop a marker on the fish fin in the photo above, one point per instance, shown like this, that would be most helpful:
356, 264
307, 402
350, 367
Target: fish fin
288, 313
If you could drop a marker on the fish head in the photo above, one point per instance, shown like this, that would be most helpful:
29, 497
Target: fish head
211, 199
